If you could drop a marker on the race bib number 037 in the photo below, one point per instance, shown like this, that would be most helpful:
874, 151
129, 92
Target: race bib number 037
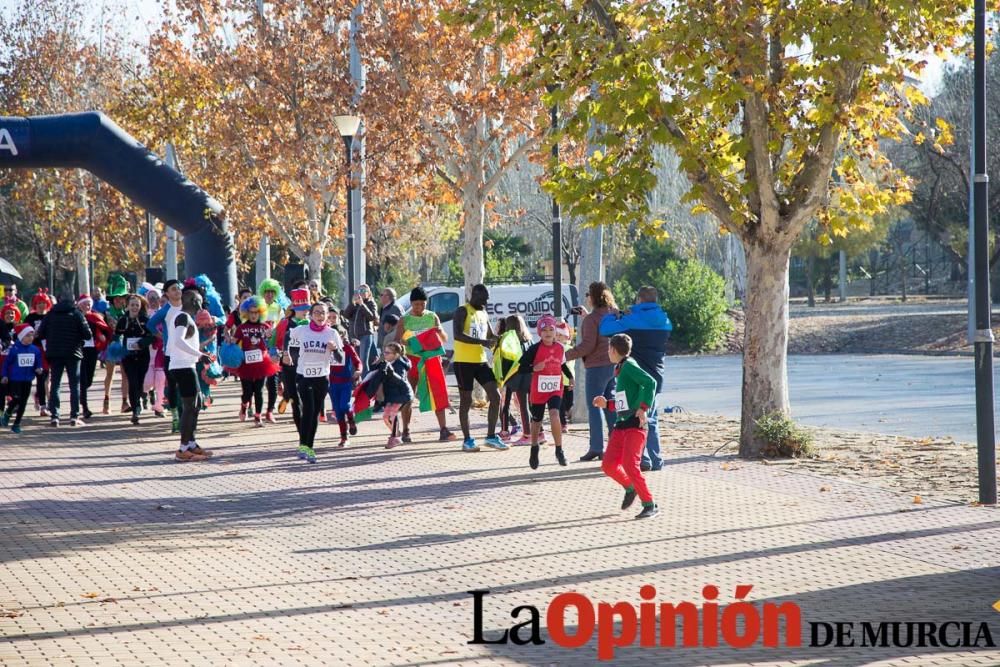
549, 383
314, 371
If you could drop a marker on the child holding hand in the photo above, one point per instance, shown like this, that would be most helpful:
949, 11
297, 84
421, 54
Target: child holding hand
396, 388
22, 364
546, 362
628, 395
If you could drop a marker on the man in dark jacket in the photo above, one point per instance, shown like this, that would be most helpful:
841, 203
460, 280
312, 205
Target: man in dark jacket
361, 317
64, 330
389, 308
649, 328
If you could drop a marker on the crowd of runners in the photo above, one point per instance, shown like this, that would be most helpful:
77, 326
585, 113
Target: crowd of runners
301, 354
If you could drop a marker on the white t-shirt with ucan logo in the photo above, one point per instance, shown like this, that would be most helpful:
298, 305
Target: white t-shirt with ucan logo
314, 357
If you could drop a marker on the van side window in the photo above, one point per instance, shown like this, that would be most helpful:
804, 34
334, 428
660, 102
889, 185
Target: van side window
444, 304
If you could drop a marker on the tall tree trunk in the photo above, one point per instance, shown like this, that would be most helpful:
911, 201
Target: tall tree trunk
314, 262
765, 342
474, 209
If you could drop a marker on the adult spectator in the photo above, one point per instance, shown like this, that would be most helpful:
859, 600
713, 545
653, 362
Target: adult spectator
649, 328
64, 331
22, 307
389, 309
315, 290
361, 317
593, 349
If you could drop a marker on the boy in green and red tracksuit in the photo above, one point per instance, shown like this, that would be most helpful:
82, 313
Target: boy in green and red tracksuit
628, 395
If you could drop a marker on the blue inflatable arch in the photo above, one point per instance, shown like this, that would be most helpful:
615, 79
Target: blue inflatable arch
92, 141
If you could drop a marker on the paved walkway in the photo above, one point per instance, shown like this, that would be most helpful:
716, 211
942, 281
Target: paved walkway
112, 554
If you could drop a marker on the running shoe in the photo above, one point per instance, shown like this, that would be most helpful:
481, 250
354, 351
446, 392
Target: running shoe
514, 430
533, 457
352, 428
16, 428
156, 413
447, 436
196, 448
505, 435
648, 511
43, 411
560, 457
244, 411
54, 422
303, 450
75, 421
185, 455
87, 414
135, 420
406, 436
269, 417
470, 445
310, 455
257, 422
525, 440
393, 442
282, 406
493, 442
629, 498
343, 443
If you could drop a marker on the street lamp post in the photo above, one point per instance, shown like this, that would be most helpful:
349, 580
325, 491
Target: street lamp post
348, 127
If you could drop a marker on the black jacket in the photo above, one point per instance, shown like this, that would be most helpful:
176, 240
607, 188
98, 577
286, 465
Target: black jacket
64, 331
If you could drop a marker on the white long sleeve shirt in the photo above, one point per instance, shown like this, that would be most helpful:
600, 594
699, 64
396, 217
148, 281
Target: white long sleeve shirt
314, 357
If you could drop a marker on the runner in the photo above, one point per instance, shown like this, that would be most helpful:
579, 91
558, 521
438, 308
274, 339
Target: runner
421, 333
396, 390
9, 318
513, 342
270, 290
155, 379
344, 373
295, 317
131, 332
118, 294
473, 336
628, 396
161, 324
546, 362
21, 366
184, 352
41, 303
317, 343
100, 335
252, 335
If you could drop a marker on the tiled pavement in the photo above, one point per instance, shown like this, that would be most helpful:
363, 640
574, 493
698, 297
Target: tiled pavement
111, 553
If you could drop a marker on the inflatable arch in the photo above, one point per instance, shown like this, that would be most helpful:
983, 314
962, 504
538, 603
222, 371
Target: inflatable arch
92, 141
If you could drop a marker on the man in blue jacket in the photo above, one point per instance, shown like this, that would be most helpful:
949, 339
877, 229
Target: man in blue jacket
649, 328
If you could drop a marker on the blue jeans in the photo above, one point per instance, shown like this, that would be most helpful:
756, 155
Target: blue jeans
651, 455
72, 368
595, 380
366, 352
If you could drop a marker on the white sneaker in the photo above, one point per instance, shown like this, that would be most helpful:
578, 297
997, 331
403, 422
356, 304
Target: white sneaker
75, 422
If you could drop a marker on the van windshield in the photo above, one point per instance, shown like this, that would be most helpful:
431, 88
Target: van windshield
444, 304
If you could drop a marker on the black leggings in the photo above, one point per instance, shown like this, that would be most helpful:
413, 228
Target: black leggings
288, 381
567, 406
87, 368
43, 384
20, 392
253, 389
522, 405
272, 391
186, 382
312, 393
135, 370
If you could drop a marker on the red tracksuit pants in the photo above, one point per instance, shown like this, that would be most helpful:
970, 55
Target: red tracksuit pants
622, 457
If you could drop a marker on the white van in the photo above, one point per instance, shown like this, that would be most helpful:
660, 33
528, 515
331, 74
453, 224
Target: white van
530, 300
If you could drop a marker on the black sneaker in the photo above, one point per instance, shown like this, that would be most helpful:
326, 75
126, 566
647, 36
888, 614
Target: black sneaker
352, 429
645, 467
406, 437
54, 421
630, 495
590, 456
533, 458
648, 511
560, 457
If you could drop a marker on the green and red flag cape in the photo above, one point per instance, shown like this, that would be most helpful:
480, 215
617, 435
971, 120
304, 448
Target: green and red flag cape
426, 349
364, 397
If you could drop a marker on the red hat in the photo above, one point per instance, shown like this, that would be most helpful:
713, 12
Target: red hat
300, 299
42, 296
84, 298
11, 304
22, 330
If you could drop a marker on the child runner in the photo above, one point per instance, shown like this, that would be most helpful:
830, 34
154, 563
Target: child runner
274, 296
628, 395
131, 329
396, 389
9, 318
118, 294
514, 340
345, 370
156, 377
545, 361
20, 368
40, 305
317, 342
252, 335
100, 336
296, 316
564, 334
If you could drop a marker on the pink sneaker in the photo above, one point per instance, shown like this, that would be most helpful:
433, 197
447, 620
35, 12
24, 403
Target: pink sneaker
393, 442
505, 436
269, 417
525, 440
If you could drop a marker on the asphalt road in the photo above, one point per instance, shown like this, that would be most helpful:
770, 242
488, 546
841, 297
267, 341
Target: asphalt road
905, 395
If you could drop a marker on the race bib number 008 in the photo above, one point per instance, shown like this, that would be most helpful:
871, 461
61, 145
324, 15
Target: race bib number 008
25, 360
549, 383
621, 401
314, 371
253, 356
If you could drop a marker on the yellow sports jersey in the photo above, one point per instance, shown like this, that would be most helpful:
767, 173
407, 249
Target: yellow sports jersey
476, 325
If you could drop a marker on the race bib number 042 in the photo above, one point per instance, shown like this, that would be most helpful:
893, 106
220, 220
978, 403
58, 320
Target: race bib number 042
549, 383
621, 401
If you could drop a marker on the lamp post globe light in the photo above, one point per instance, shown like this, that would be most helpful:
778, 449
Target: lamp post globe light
348, 128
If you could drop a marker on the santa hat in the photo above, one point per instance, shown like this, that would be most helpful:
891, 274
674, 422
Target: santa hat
84, 298
22, 331
300, 299
562, 327
42, 296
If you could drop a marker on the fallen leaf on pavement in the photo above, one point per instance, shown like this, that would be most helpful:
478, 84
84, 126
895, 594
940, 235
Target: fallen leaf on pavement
90, 596
917, 500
